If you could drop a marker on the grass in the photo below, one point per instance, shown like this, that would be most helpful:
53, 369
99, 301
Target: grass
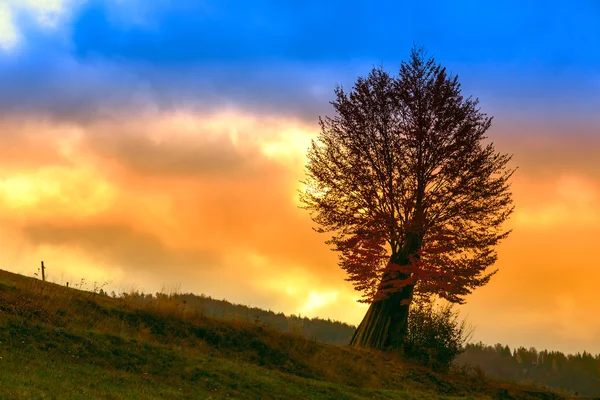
64, 343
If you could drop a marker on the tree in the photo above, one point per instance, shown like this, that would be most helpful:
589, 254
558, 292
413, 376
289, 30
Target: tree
413, 198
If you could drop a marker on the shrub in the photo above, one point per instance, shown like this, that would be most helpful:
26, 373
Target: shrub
435, 334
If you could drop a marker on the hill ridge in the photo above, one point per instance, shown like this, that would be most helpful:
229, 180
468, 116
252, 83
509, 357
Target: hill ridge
56, 339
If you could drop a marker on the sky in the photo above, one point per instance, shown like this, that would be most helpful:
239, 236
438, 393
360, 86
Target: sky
159, 146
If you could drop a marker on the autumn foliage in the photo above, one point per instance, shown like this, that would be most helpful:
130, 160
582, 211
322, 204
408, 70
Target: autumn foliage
405, 182
406, 156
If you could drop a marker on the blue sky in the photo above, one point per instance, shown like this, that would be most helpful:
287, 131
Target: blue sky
283, 56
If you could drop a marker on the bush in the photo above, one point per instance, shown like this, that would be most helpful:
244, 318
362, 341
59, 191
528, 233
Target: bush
435, 335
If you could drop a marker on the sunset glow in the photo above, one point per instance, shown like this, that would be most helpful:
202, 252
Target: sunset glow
133, 154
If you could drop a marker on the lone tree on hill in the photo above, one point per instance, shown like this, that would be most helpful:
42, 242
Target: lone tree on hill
412, 196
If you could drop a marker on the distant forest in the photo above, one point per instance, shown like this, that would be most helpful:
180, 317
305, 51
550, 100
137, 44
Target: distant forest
579, 373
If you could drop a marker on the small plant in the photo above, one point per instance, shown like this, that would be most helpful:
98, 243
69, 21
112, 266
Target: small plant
435, 335
99, 288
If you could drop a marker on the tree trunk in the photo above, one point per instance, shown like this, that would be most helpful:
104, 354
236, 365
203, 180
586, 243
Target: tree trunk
385, 324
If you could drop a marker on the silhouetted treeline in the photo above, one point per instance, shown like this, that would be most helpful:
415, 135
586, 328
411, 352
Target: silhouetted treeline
328, 331
578, 373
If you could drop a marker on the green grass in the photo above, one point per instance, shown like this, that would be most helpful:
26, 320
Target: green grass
61, 343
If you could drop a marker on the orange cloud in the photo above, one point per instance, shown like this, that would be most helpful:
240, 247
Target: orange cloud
565, 199
209, 202
169, 198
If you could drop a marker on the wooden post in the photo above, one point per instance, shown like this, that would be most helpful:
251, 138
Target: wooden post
43, 272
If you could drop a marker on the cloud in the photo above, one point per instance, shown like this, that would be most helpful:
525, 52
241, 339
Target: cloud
100, 58
21, 20
9, 36
166, 196
543, 271
67, 89
47, 13
228, 144
565, 199
179, 158
116, 244
37, 140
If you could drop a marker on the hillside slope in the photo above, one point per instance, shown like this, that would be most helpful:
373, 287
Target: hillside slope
328, 331
63, 343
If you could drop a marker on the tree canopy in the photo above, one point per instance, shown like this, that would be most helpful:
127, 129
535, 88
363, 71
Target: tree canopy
404, 181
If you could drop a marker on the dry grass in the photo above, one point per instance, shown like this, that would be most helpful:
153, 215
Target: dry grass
183, 342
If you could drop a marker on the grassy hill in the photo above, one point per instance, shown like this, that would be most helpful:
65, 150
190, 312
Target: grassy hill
323, 330
64, 343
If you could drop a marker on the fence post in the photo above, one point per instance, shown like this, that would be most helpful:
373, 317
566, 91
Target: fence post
43, 272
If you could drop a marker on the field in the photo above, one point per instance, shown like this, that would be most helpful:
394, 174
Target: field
64, 343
